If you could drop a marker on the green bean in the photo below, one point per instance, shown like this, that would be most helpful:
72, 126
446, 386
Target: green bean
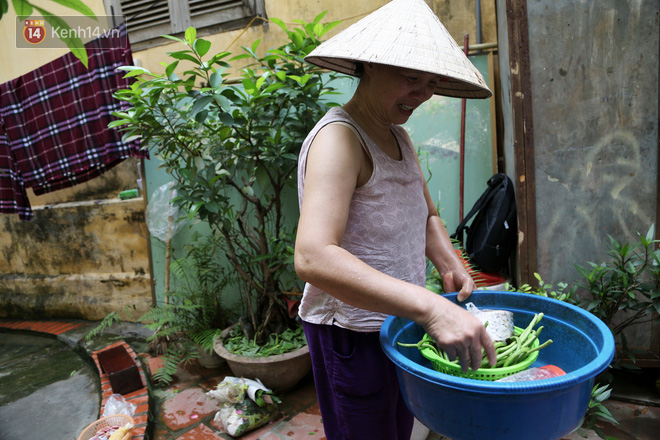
510, 352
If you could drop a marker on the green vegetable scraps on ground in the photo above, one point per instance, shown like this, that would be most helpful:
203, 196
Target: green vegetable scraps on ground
510, 352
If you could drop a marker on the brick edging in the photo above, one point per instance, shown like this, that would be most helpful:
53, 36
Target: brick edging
139, 398
50, 327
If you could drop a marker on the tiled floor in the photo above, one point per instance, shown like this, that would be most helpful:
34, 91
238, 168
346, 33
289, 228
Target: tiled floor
184, 411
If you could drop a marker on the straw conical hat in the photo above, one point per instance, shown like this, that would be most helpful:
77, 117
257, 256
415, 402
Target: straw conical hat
403, 33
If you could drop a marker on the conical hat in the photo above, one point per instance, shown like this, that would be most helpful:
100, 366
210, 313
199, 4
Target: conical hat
403, 33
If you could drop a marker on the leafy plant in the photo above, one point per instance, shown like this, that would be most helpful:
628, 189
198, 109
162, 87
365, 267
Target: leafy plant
562, 292
596, 412
289, 340
232, 149
625, 291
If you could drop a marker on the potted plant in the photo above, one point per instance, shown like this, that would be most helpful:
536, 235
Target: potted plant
232, 148
624, 291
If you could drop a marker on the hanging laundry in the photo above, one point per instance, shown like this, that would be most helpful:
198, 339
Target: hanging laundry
56, 117
13, 198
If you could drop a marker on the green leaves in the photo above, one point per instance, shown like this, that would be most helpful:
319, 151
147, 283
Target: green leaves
22, 8
184, 55
25, 9
190, 36
201, 47
282, 343
4, 7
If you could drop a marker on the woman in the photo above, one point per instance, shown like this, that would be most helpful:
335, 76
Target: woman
367, 224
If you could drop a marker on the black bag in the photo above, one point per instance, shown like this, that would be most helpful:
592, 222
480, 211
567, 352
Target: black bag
492, 236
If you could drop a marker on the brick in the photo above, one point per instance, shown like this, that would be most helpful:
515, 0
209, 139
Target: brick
301, 425
200, 432
187, 408
141, 419
140, 400
142, 409
135, 393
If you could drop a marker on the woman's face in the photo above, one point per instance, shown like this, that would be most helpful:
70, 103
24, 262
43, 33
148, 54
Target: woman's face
397, 92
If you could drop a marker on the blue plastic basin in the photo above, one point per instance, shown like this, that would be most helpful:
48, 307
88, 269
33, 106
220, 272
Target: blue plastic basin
470, 409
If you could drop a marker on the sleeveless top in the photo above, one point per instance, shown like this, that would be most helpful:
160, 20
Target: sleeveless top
386, 226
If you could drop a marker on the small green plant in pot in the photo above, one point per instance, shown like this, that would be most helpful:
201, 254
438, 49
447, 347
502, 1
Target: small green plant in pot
232, 148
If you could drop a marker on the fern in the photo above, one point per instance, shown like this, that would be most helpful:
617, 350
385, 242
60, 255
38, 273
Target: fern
111, 319
172, 359
195, 312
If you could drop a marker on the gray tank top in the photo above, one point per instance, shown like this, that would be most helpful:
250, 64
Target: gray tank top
386, 226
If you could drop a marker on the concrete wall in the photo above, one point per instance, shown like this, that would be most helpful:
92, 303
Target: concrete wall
585, 120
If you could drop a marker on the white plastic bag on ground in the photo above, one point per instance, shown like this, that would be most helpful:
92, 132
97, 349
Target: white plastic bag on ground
246, 404
116, 404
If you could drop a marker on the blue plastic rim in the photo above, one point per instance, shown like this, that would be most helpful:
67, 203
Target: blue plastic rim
465, 409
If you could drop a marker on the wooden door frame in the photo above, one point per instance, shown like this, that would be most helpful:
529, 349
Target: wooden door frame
523, 138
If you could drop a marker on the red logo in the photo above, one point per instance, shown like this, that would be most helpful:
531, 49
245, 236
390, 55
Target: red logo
34, 31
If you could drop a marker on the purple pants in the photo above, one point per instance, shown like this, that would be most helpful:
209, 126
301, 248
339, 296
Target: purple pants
356, 384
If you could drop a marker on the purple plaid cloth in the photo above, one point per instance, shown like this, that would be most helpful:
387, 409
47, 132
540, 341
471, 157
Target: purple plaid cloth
56, 121
13, 197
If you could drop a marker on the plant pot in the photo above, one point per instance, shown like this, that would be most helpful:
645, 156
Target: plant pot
278, 372
209, 360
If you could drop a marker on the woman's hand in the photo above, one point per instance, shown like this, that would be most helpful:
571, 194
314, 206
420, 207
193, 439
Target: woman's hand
458, 333
458, 281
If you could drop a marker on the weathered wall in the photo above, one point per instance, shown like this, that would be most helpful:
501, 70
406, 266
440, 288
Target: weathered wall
595, 105
458, 16
592, 128
79, 259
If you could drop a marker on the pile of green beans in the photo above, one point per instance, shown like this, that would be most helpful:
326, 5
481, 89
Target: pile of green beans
510, 352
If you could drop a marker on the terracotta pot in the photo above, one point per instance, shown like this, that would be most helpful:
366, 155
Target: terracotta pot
209, 360
278, 372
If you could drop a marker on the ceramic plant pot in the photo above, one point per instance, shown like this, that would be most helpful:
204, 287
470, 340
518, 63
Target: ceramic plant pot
210, 360
278, 372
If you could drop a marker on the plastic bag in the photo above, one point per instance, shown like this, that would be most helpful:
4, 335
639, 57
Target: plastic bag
499, 322
239, 418
116, 404
534, 373
246, 405
160, 212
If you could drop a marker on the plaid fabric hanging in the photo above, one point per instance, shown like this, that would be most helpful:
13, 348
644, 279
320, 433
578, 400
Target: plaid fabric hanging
56, 118
13, 198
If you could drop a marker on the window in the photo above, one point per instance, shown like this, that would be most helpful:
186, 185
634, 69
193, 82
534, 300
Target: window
147, 20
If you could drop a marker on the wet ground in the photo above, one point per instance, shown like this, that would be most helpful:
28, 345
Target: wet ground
47, 390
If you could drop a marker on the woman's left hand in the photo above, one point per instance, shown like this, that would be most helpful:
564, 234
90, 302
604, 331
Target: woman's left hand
458, 280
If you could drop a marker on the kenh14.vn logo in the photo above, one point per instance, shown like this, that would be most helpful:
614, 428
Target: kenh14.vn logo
34, 31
